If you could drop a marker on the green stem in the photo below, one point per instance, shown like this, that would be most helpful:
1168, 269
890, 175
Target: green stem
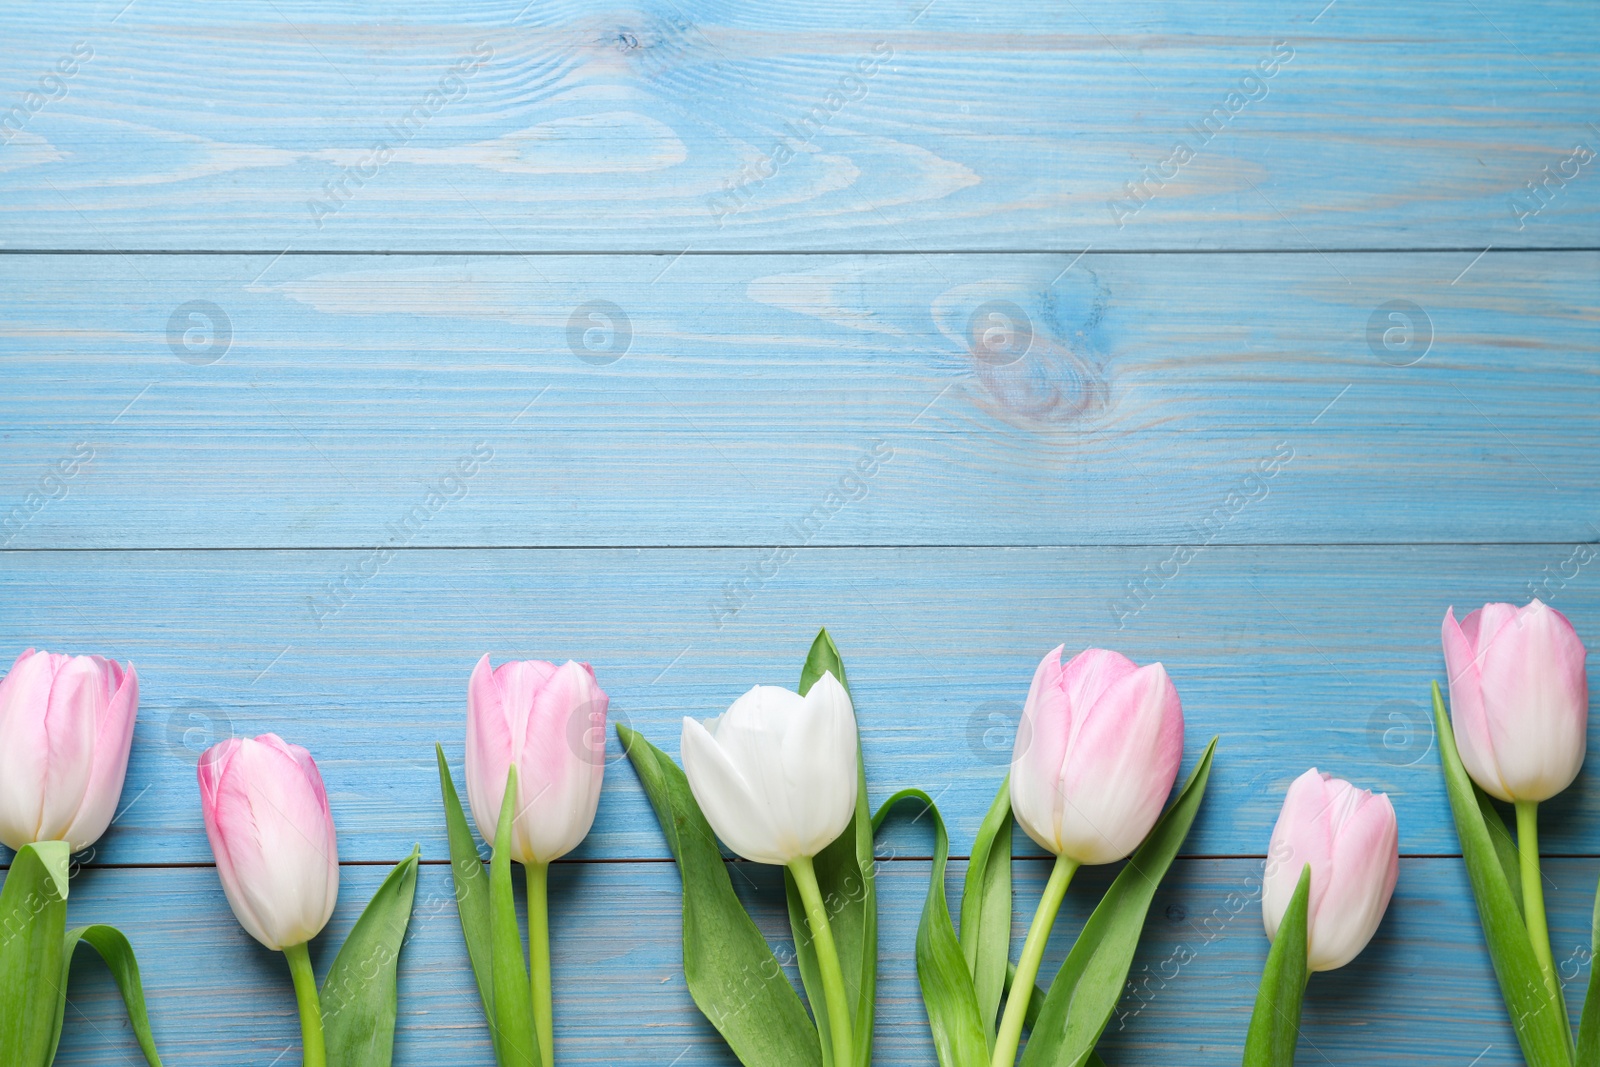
305, 993
1533, 891
1005, 1045
539, 959
805, 879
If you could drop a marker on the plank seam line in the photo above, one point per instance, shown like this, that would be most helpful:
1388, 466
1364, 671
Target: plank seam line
1352, 251
886, 547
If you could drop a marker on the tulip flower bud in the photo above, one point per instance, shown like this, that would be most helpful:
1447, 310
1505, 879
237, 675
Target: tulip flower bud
66, 725
1351, 840
1096, 754
271, 832
1519, 698
776, 774
551, 722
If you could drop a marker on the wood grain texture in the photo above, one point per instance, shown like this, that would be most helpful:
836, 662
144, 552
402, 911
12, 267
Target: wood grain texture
662, 126
826, 400
660, 335
1423, 992
1296, 656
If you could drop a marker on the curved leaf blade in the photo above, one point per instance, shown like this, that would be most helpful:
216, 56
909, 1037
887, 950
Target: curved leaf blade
33, 925
1540, 1020
1275, 1022
734, 978
472, 887
515, 1045
1086, 989
360, 995
117, 953
1589, 1022
986, 911
947, 992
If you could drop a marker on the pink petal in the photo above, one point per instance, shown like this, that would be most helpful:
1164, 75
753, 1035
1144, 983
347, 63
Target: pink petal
490, 745
110, 767
1468, 716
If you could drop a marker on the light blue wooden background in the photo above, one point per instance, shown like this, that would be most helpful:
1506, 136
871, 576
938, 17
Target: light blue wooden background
778, 325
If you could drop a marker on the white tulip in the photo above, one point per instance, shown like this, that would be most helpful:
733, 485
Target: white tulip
776, 773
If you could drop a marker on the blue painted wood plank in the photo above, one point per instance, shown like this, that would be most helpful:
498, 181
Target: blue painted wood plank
891, 125
1422, 993
1295, 655
784, 400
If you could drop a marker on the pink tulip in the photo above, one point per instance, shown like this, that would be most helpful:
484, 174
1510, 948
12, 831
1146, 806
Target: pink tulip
271, 832
66, 725
1351, 840
1519, 698
1097, 752
551, 722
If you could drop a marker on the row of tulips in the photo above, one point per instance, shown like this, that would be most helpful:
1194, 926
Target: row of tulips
779, 779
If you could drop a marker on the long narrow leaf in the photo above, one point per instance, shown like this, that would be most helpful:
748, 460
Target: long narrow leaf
845, 876
472, 887
1275, 1022
360, 995
947, 993
515, 1045
33, 926
986, 911
1031, 1016
1089, 984
1505, 846
731, 972
114, 948
1589, 1024
1539, 1018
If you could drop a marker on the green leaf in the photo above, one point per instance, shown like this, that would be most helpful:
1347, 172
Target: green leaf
1505, 846
1086, 989
1031, 1016
118, 955
515, 1045
1589, 1023
986, 911
1539, 1018
731, 972
823, 657
845, 876
1275, 1022
359, 996
33, 925
947, 992
472, 888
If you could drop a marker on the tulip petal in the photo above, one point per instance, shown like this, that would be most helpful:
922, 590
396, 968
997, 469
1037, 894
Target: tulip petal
819, 761
730, 805
24, 747
1301, 836
112, 745
77, 696
1535, 687
1467, 713
1362, 872
1040, 749
490, 745
1121, 766
559, 768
